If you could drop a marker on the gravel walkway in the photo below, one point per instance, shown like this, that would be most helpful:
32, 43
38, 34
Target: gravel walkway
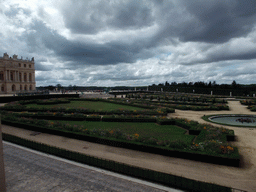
31, 172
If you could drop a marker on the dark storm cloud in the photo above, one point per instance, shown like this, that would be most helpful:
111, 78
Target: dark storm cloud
40, 66
210, 21
113, 52
200, 21
242, 71
91, 17
224, 56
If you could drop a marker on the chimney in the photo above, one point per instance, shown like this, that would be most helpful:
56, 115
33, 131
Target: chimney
15, 57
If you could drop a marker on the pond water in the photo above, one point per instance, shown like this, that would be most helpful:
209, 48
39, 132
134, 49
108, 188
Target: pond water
241, 120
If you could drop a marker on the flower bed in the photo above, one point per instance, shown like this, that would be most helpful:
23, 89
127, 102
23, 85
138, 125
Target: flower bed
183, 104
53, 101
18, 107
138, 118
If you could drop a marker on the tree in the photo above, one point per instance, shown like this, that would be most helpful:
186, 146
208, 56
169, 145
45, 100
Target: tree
214, 84
190, 84
173, 83
70, 87
59, 86
234, 85
50, 87
167, 84
210, 84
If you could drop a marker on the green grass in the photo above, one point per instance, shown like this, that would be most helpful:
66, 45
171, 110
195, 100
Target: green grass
161, 132
94, 105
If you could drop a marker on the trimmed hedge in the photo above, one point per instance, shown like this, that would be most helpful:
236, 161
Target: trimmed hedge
19, 98
150, 175
20, 108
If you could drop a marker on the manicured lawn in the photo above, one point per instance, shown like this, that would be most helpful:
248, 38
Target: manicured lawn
95, 105
161, 132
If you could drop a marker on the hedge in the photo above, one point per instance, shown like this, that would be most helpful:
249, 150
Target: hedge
19, 98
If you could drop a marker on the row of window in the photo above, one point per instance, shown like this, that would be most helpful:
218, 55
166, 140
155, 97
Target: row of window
26, 88
25, 65
20, 76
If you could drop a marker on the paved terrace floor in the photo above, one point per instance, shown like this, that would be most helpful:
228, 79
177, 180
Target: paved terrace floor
31, 171
241, 178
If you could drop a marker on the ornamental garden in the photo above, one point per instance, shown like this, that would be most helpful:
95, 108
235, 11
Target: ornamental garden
134, 121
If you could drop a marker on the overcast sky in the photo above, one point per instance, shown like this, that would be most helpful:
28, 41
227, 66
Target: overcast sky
132, 43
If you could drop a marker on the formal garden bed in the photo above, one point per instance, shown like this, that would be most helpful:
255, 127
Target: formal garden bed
251, 103
98, 106
133, 128
183, 102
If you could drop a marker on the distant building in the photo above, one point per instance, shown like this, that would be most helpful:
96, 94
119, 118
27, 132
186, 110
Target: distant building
16, 75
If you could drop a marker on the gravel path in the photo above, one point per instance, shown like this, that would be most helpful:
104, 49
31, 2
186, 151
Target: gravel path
31, 172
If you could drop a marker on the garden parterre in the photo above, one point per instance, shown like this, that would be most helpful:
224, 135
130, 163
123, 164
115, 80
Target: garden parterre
211, 140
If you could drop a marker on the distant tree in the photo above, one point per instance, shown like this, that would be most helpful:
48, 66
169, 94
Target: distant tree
59, 86
183, 84
50, 87
233, 84
70, 87
210, 84
167, 84
173, 83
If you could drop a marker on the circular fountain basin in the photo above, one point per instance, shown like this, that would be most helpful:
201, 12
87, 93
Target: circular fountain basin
235, 120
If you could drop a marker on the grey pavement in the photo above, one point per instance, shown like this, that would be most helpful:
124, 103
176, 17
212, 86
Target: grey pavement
29, 171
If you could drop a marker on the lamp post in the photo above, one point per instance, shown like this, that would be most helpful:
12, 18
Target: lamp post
2, 173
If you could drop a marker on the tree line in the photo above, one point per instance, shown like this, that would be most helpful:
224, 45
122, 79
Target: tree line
202, 87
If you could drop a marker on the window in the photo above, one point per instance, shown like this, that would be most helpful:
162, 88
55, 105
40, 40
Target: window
30, 77
25, 65
25, 77
20, 76
19, 65
2, 88
13, 88
1, 75
29, 66
20, 87
30, 87
25, 88
12, 76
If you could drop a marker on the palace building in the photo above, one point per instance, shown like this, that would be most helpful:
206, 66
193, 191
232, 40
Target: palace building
16, 75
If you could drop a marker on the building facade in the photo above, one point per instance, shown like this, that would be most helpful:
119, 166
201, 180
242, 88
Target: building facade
16, 75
